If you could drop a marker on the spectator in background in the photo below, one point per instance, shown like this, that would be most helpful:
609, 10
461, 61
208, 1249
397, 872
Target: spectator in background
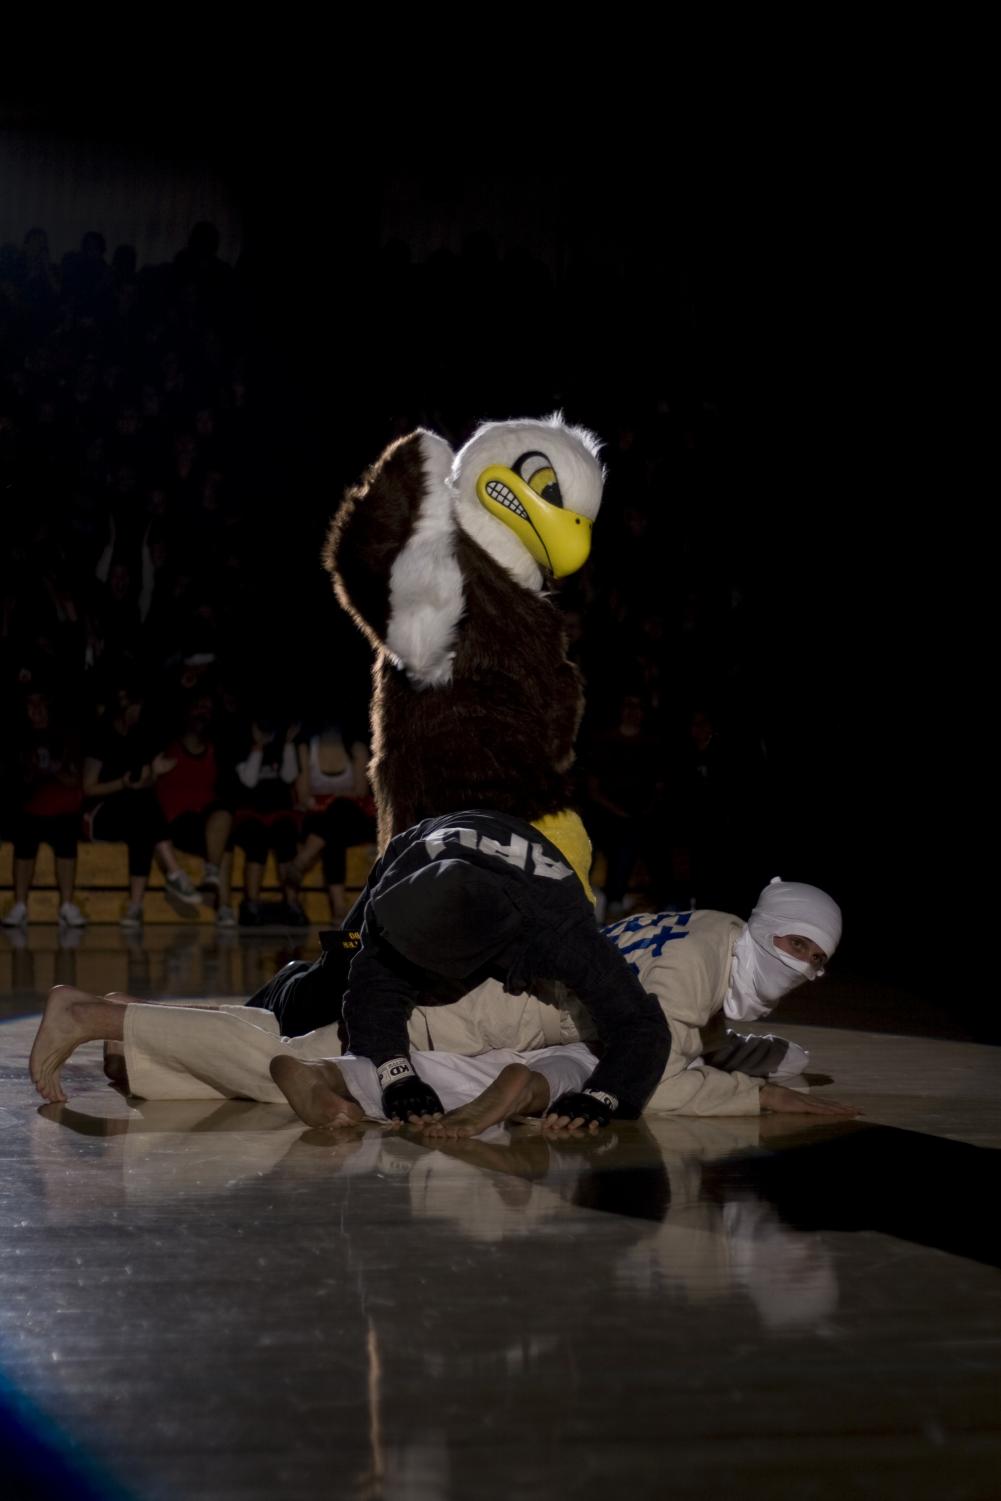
119, 773
188, 791
340, 812
267, 769
45, 805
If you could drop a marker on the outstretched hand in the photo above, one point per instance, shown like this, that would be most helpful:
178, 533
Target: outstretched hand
782, 1101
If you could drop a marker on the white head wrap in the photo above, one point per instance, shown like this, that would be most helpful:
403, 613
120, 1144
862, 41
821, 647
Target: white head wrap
762, 974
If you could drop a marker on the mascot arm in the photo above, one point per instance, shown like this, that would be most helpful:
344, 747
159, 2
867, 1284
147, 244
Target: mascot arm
629, 1022
377, 1007
391, 553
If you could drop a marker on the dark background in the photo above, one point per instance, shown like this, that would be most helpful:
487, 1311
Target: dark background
787, 297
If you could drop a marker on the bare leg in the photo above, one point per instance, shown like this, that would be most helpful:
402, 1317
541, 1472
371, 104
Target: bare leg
338, 903
297, 869
225, 873
217, 829
316, 1091
71, 1017
137, 890
24, 872
311, 851
66, 878
253, 875
517, 1090
165, 857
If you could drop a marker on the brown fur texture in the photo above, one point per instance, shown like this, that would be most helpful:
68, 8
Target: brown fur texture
369, 529
501, 734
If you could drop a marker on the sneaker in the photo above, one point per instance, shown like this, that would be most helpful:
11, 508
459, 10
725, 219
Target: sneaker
250, 914
70, 914
179, 889
16, 917
225, 918
294, 915
133, 916
210, 887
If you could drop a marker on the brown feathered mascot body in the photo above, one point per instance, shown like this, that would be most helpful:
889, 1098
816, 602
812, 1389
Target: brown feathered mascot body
443, 560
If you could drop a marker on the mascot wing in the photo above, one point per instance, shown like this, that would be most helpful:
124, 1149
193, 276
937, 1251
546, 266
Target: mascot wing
391, 553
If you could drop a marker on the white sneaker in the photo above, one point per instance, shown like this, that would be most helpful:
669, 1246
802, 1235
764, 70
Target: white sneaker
70, 914
133, 916
180, 892
17, 917
225, 918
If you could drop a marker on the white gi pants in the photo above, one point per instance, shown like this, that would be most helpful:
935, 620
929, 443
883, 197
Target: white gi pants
190, 1053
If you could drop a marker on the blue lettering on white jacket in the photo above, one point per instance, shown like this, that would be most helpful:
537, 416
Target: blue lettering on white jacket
647, 931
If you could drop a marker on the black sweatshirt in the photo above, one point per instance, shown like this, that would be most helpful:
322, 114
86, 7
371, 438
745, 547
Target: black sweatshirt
471, 894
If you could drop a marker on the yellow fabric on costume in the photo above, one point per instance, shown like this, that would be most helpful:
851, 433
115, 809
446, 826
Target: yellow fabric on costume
565, 830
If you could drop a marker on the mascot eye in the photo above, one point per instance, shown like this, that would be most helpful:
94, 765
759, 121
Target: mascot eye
537, 472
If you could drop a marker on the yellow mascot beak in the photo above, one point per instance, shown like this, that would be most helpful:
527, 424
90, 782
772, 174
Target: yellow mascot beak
559, 540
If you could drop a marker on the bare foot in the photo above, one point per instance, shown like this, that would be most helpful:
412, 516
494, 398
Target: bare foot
57, 1036
517, 1090
316, 1091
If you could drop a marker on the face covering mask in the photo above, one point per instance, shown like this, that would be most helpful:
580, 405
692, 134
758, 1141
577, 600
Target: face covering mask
761, 974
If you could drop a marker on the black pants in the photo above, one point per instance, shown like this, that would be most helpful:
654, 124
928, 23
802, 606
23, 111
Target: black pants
255, 838
132, 818
340, 825
187, 831
61, 831
303, 995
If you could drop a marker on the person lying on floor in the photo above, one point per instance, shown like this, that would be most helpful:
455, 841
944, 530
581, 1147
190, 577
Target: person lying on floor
702, 967
196, 1053
475, 1093
710, 972
452, 901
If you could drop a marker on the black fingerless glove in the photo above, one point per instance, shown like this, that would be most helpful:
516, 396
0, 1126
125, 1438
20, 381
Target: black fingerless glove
589, 1105
404, 1094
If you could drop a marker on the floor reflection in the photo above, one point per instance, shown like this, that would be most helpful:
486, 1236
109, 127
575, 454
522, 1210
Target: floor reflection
168, 961
915, 1187
685, 1230
369, 1314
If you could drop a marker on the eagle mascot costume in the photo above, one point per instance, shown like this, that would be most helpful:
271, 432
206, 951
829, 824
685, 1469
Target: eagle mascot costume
444, 561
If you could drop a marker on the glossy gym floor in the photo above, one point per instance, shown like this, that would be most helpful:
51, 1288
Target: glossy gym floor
212, 1301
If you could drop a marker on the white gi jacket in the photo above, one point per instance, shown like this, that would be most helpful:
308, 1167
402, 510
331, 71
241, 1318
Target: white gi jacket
681, 958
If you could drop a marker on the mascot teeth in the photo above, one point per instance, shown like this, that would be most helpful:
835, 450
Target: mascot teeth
500, 492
